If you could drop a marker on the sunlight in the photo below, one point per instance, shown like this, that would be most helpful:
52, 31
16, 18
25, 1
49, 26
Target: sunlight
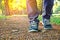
17, 4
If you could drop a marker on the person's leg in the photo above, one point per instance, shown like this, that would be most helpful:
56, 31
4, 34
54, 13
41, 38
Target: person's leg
47, 12
32, 14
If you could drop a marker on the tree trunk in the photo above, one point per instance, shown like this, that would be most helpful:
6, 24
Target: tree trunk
7, 7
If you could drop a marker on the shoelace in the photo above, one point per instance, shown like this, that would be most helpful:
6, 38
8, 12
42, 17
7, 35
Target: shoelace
33, 23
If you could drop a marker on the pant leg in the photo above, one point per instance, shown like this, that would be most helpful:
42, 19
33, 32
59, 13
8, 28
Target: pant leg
47, 8
32, 14
47, 12
32, 10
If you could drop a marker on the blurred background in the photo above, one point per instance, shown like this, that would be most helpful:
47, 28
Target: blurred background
18, 7
11, 7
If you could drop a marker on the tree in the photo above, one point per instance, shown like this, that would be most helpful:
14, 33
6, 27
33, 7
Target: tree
6, 7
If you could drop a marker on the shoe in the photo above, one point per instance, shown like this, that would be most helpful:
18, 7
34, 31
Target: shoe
33, 27
46, 24
48, 27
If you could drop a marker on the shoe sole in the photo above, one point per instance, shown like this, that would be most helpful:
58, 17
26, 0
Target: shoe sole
33, 31
48, 28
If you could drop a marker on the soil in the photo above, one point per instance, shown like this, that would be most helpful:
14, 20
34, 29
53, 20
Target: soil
16, 28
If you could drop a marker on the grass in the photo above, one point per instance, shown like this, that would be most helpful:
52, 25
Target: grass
55, 19
2, 16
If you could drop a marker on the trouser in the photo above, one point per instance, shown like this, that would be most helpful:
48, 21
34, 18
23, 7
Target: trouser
33, 10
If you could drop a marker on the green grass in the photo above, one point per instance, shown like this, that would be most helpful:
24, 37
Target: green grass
54, 19
2, 16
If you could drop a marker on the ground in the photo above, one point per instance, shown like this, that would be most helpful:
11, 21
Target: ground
16, 28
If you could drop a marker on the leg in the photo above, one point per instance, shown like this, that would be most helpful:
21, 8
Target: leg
32, 14
47, 8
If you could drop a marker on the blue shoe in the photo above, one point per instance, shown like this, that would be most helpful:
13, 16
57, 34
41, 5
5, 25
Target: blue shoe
33, 27
46, 24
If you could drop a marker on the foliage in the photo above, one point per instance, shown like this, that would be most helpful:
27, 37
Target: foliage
39, 4
57, 9
17, 4
2, 17
55, 19
58, 0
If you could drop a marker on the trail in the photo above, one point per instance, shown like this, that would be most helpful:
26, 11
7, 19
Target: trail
16, 28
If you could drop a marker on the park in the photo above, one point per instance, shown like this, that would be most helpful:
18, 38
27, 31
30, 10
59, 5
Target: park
14, 21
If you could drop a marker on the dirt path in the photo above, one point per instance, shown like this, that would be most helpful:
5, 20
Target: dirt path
16, 28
